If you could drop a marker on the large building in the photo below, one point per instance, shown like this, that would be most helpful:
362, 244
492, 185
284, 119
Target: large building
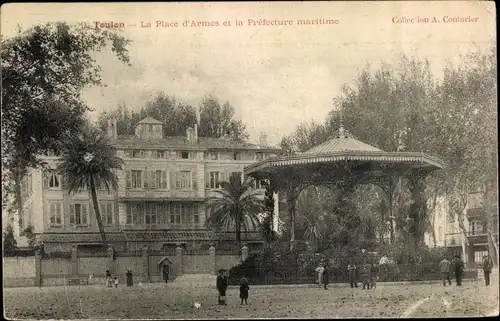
161, 198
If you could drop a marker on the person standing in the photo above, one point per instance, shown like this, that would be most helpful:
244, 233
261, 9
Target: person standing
244, 288
383, 264
458, 266
130, 281
325, 277
487, 265
444, 268
166, 273
109, 279
221, 284
320, 269
351, 271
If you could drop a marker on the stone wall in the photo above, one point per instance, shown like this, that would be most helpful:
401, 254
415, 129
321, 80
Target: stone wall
19, 271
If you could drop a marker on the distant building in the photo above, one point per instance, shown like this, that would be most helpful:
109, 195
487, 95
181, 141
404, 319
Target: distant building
161, 197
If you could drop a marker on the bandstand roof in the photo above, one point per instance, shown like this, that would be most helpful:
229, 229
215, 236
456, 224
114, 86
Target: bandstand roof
344, 148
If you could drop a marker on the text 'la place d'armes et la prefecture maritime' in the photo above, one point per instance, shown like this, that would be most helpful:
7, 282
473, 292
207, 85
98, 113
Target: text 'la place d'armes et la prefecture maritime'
216, 23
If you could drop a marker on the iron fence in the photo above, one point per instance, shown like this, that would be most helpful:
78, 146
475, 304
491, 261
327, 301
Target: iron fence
339, 274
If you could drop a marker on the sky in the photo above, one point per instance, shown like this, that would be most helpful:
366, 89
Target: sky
276, 77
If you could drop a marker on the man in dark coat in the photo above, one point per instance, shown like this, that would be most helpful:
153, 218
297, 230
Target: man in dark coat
166, 274
458, 266
487, 265
325, 277
221, 284
130, 281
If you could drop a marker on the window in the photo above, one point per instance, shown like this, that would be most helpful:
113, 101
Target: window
184, 155
107, 212
52, 179
78, 214
151, 214
237, 174
55, 214
237, 156
135, 213
175, 214
151, 128
130, 216
213, 155
185, 213
134, 179
137, 153
257, 184
259, 156
183, 180
159, 179
161, 154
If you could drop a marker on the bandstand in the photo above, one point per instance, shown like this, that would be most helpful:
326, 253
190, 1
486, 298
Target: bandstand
342, 163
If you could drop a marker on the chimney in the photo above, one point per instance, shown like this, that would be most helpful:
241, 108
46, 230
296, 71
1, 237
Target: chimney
263, 139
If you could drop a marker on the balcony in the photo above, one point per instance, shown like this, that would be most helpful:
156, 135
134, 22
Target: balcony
164, 226
478, 237
150, 194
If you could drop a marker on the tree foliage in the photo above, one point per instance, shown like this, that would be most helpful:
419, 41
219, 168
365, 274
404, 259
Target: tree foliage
89, 163
44, 71
215, 120
235, 206
9, 241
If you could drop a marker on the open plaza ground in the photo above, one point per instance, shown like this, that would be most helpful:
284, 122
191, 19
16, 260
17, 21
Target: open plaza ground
176, 300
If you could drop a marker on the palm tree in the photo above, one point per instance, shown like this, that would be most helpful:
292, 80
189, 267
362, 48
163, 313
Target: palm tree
89, 162
236, 205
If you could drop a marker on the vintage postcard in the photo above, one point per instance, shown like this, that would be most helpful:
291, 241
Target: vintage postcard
333, 159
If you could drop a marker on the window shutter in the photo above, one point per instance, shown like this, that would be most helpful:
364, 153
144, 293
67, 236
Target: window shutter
207, 179
45, 179
164, 179
59, 214
84, 214
145, 180
173, 181
194, 178
152, 179
72, 213
128, 177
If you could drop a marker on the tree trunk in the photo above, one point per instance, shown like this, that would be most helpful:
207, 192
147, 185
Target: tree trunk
238, 230
98, 214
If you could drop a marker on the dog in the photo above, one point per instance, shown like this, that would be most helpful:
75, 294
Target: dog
369, 283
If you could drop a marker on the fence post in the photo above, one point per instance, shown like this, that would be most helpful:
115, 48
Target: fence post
38, 268
74, 260
178, 257
145, 260
110, 259
244, 252
212, 258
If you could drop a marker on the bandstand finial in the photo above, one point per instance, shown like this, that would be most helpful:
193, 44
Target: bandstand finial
342, 132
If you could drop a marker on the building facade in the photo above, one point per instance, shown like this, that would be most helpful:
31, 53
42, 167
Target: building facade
161, 199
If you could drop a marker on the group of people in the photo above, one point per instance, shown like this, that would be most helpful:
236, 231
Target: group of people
446, 268
222, 284
456, 266
113, 281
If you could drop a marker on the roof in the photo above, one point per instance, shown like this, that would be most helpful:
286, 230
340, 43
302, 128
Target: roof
345, 148
340, 144
165, 236
203, 143
149, 120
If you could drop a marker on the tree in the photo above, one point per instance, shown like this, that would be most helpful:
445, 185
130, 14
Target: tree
175, 116
9, 241
89, 162
217, 121
29, 233
236, 206
44, 71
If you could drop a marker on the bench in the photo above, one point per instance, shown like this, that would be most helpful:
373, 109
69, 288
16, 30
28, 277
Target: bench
78, 281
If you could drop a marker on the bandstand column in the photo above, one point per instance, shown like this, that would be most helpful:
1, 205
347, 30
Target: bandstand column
291, 200
418, 213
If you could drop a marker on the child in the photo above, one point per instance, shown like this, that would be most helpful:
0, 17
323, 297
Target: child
244, 290
116, 282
